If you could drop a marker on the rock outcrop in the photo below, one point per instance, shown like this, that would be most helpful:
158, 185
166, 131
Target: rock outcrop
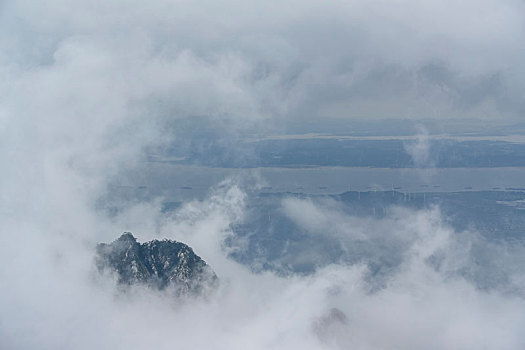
158, 264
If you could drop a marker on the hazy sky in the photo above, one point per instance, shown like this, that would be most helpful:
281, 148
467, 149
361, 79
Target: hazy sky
271, 59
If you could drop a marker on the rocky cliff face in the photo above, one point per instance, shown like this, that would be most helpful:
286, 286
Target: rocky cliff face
158, 264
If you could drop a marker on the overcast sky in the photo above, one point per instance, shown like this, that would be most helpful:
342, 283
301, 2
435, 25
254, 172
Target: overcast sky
285, 60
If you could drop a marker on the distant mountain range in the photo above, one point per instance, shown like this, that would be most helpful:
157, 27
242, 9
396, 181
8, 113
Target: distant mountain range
157, 264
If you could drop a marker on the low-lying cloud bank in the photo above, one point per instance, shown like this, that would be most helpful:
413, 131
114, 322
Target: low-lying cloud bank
54, 299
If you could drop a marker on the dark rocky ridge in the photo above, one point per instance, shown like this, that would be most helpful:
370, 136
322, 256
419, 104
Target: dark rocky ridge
158, 264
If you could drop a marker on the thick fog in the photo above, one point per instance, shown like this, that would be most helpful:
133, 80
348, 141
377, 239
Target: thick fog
88, 87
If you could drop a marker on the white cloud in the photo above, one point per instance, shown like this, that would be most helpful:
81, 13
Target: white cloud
86, 86
55, 300
419, 149
295, 59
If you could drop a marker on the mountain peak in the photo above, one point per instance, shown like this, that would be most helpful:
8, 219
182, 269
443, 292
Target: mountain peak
127, 237
158, 264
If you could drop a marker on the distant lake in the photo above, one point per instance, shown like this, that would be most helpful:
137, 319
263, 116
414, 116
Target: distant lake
181, 182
